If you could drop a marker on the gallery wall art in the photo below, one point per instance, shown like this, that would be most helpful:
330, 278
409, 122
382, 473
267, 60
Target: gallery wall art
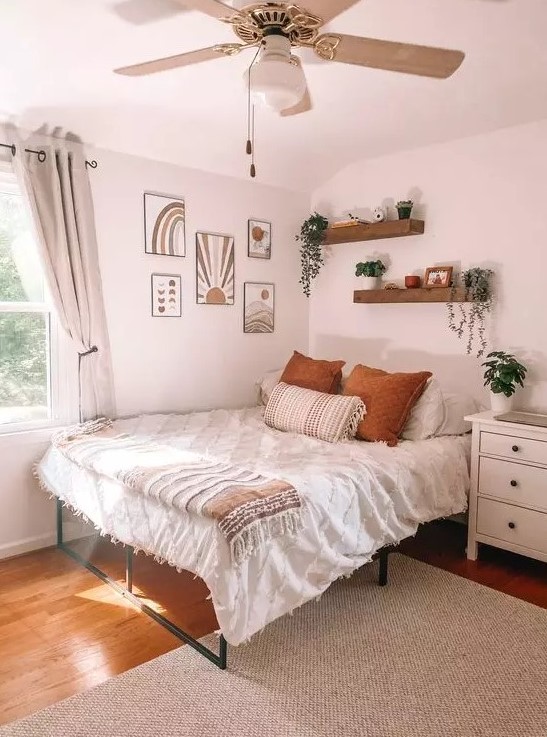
258, 307
166, 295
259, 239
164, 225
214, 269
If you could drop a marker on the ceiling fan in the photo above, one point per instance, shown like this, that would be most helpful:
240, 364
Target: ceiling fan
274, 28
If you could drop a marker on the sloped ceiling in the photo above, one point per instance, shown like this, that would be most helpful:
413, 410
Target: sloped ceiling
56, 61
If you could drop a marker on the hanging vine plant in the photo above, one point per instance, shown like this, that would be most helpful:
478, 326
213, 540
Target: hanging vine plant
471, 318
311, 237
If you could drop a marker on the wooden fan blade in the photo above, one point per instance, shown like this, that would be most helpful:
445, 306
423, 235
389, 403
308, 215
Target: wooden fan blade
210, 7
426, 61
303, 105
181, 60
328, 9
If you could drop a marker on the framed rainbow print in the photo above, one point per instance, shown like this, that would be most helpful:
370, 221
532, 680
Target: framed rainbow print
214, 269
164, 225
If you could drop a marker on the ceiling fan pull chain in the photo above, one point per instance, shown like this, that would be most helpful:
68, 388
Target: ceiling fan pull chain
249, 147
253, 167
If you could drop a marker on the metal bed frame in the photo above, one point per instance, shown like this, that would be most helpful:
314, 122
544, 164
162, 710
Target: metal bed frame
219, 659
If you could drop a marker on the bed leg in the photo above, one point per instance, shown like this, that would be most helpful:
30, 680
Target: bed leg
59, 517
129, 568
223, 653
382, 573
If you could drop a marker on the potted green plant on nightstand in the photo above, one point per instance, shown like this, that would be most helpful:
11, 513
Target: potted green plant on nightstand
503, 373
370, 271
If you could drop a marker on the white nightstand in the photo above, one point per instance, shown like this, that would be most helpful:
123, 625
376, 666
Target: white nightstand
508, 498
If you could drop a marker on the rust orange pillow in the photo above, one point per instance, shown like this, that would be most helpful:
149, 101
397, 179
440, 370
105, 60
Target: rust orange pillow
388, 399
310, 373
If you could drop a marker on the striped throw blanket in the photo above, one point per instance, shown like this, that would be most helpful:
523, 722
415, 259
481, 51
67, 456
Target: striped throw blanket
249, 509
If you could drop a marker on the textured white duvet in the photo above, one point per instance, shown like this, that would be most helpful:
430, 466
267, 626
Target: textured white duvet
356, 496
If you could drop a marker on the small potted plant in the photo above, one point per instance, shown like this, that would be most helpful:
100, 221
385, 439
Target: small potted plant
503, 373
370, 271
404, 208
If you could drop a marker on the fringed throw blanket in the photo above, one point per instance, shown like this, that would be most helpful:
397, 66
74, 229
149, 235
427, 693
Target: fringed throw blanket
248, 508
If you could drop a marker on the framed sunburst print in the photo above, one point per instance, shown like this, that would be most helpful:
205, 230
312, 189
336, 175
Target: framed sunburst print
259, 239
164, 225
258, 310
214, 269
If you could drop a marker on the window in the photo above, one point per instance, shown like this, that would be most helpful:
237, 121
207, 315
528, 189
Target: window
31, 358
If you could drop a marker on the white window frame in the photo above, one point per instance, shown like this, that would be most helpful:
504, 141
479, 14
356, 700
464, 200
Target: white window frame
63, 359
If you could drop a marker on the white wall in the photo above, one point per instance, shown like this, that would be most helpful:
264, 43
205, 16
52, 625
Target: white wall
484, 203
198, 361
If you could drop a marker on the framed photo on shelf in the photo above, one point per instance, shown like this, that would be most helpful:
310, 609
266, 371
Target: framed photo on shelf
166, 295
258, 307
259, 239
438, 276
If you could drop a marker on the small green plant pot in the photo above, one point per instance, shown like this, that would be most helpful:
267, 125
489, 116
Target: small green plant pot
404, 212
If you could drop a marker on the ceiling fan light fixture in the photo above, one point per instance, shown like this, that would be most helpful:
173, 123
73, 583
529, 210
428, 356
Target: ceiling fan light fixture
276, 81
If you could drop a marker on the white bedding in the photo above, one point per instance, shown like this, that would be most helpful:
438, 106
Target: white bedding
356, 498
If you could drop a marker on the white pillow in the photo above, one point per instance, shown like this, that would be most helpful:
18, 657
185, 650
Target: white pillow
457, 406
266, 385
427, 415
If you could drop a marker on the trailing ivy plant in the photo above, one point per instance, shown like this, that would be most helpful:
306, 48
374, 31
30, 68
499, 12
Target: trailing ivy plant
503, 373
311, 237
471, 318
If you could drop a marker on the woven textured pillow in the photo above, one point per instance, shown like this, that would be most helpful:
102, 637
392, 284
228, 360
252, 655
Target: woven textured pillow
330, 417
388, 400
310, 373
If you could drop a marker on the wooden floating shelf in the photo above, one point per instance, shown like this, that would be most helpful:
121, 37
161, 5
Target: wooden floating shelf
373, 231
401, 296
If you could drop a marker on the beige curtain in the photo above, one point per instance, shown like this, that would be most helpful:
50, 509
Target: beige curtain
61, 204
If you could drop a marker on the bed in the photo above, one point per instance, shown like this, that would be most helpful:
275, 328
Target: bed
357, 497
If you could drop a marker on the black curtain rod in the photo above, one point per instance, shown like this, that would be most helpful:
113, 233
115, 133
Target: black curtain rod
41, 154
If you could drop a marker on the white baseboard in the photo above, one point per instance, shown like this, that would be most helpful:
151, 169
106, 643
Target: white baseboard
71, 530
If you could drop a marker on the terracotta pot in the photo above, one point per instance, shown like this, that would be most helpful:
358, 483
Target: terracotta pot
412, 282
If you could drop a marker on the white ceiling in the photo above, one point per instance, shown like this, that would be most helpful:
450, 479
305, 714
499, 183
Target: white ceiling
56, 59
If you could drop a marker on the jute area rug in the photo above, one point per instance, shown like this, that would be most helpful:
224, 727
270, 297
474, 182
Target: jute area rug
429, 655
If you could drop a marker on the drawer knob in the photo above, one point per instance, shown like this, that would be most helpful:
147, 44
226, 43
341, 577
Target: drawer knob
512, 525
515, 449
514, 483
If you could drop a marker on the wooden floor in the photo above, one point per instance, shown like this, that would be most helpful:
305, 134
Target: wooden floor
62, 631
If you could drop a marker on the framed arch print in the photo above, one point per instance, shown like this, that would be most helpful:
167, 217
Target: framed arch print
164, 225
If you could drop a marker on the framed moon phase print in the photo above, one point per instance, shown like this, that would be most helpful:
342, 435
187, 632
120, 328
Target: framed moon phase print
166, 295
164, 225
260, 239
258, 316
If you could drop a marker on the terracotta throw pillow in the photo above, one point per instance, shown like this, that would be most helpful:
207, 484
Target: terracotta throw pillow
388, 400
309, 373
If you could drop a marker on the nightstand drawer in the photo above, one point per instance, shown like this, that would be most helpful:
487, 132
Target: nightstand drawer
512, 524
513, 482
518, 449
